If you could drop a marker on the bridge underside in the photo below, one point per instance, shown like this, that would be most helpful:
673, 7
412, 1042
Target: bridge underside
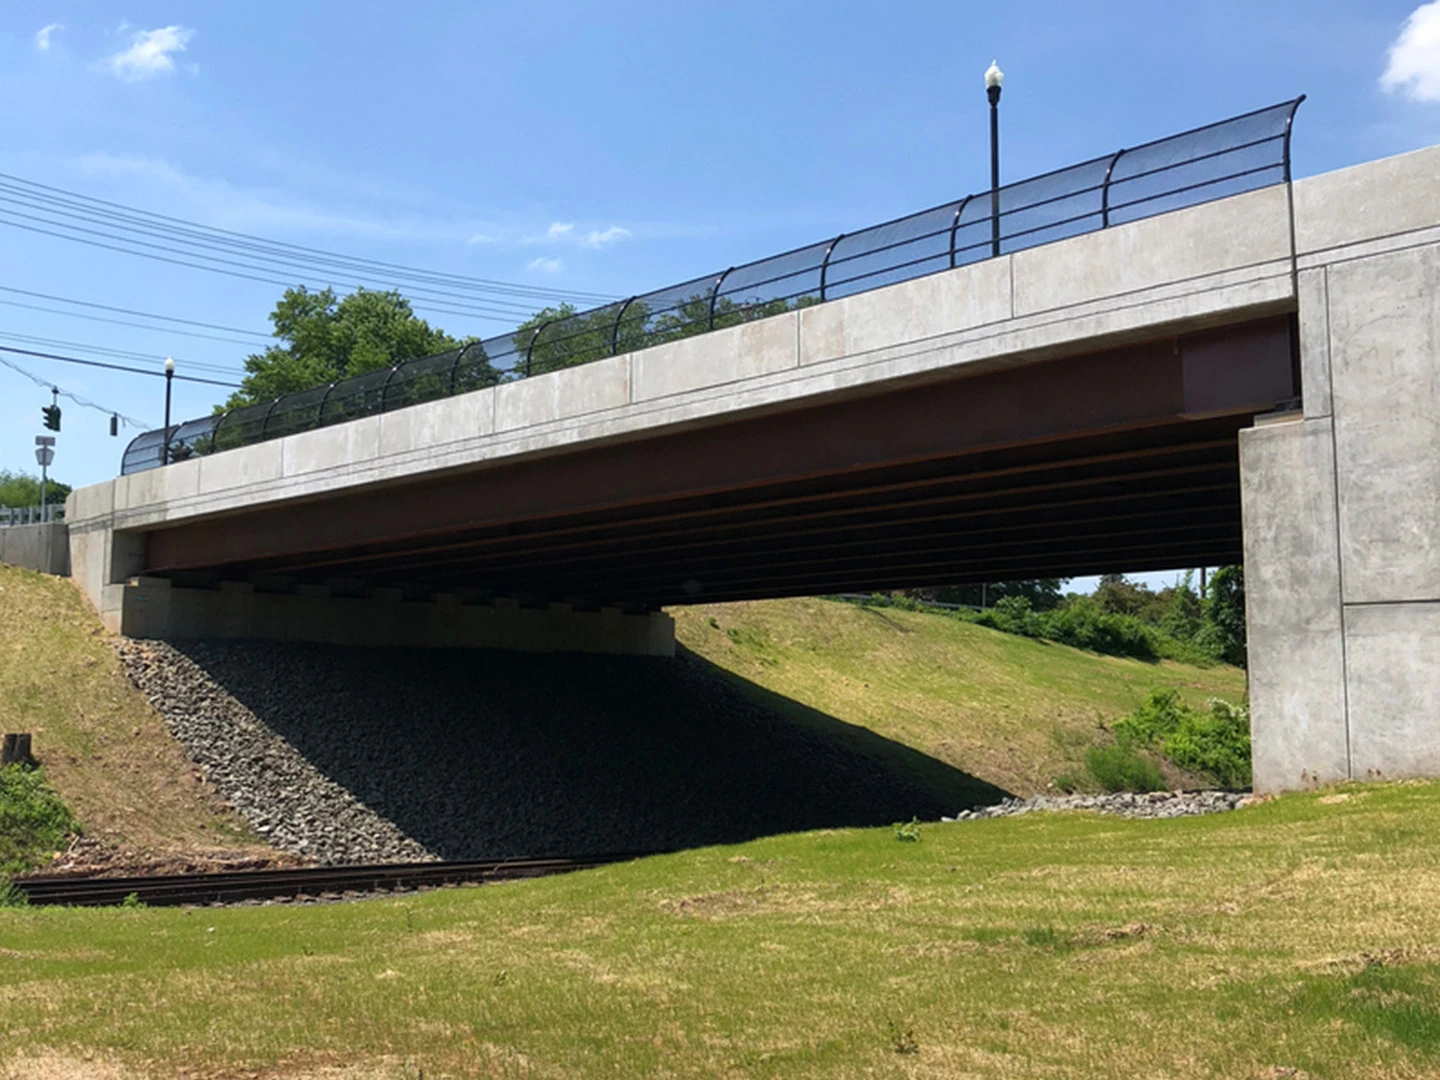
1118, 460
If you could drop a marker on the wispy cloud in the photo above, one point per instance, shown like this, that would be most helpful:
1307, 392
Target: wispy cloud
226, 205
43, 35
598, 238
1413, 66
556, 234
548, 266
149, 54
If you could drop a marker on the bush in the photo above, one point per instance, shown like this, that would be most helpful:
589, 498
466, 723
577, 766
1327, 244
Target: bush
1084, 625
33, 820
1214, 743
1123, 768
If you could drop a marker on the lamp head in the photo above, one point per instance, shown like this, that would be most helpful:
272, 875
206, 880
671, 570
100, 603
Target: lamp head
169, 365
993, 76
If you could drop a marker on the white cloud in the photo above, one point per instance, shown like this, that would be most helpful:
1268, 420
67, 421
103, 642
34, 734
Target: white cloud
599, 238
559, 230
549, 266
42, 37
149, 53
1413, 68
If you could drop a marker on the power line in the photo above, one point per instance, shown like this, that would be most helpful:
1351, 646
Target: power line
493, 315
35, 192
272, 254
111, 367
129, 311
124, 354
129, 421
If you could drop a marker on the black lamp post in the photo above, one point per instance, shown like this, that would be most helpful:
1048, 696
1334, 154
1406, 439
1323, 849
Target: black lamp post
169, 379
993, 78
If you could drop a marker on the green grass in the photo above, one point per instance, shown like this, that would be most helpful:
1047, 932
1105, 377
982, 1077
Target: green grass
1014, 711
34, 823
105, 750
1300, 934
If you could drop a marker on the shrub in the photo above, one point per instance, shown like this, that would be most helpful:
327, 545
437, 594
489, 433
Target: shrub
1215, 742
33, 820
1123, 768
1084, 625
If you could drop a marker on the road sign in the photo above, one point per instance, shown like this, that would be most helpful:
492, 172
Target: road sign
44, 456
44, 440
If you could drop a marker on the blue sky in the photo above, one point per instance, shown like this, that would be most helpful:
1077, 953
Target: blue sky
609, 148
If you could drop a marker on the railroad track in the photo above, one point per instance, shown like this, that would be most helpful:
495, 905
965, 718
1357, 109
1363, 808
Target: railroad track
311, 882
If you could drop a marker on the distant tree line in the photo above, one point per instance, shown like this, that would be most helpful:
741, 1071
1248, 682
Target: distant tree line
1122, 617
22, 489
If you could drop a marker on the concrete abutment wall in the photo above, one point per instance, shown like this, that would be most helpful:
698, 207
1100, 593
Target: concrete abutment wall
1342, 503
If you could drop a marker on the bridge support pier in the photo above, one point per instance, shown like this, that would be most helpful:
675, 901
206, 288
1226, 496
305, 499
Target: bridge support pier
1341, 507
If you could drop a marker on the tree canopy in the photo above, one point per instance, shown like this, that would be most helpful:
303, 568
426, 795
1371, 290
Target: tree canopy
22, 489
326, 338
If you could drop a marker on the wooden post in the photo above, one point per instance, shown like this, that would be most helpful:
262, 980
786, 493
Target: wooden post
15, 750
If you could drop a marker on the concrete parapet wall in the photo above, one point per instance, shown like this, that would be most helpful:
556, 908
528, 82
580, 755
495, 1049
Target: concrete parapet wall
153, 608
37, 547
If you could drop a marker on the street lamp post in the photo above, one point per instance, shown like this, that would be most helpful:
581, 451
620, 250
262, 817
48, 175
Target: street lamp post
993, 78
165, 440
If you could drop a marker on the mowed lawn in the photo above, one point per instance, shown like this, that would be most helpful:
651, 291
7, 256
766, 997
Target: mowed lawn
1299, 934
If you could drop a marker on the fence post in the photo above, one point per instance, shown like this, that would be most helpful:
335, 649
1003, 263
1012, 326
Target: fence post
825, 264
955, 225
530, 348
1105, 189
715, 295
1289, 121
615, 330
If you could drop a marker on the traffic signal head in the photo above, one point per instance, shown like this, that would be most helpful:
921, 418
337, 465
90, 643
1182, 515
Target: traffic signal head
52, 417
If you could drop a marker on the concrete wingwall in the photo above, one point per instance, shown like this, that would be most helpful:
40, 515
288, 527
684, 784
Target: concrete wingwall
36, 547
1341, 502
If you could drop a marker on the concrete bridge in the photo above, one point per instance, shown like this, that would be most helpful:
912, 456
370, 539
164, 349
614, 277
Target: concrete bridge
1253, 377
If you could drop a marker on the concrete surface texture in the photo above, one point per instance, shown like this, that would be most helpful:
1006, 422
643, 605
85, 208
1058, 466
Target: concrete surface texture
1342, 504
36, 547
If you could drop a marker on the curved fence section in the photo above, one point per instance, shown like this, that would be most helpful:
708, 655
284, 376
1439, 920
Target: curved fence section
1222, 159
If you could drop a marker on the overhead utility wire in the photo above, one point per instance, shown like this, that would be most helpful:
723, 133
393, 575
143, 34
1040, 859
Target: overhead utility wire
31, 192
123, 354
123, 322
218, 239
129, 421
112, 367
493, 313
132, 311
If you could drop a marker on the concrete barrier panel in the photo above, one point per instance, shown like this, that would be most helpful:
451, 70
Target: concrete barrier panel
1369, 201
43, 547
558, 395
1245, 230
158, 487
330, 447
435, 423
738, 352
244, 465
959, 299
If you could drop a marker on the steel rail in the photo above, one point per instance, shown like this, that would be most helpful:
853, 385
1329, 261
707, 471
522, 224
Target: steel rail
170, 890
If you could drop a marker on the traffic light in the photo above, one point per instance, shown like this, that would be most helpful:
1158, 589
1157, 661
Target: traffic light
52, 417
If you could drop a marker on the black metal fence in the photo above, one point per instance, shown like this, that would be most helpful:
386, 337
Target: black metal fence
1226, 158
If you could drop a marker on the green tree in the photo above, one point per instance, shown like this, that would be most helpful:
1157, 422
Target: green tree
1223, 632
326, 338
1043, 594
22, 489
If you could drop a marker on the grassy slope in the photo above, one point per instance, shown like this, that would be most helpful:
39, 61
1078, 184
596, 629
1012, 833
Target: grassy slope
1295, 935
1010, 710
105, 750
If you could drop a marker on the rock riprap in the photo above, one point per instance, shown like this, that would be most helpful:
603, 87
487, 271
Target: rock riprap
1150, 804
